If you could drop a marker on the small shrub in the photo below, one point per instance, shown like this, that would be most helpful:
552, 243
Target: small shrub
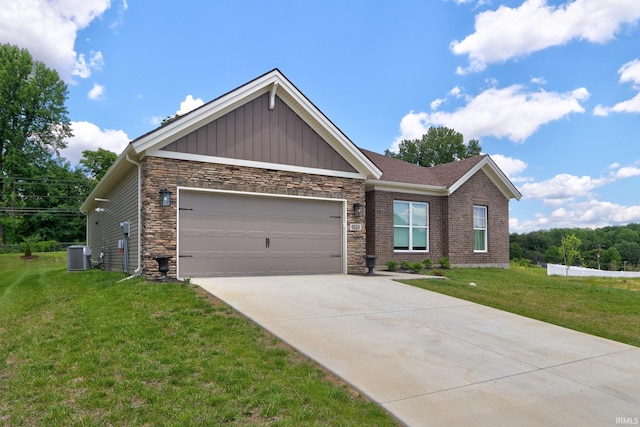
392, 265
29, 243
427, 263
524, 262
437, 272
416, 267
406, 265
45, 246
444, 262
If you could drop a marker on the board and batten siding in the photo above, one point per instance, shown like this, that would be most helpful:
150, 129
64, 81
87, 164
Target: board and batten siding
253, 132
104, 229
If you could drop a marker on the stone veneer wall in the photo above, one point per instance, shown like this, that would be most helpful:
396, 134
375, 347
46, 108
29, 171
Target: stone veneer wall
159, 227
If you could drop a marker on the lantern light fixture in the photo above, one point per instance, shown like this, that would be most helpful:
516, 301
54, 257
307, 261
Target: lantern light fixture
357, 209
165, 197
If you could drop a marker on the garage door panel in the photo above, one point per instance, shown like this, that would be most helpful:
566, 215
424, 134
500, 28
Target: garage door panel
230, 234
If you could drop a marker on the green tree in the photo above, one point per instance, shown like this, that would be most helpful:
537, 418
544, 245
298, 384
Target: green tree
438, 146
48, 204
96, 163
33, 121
627, 234
629, 251
570, 251
553, 255
611, 258
515, 251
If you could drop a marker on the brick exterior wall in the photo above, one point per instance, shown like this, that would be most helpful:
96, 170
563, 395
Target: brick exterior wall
380, 226
450, 225
159, 227
481, 191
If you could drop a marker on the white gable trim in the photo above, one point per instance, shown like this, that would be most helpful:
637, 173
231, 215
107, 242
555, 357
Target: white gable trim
232, 100
496, 176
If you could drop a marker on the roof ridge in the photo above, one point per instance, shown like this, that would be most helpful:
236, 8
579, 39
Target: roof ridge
443, 175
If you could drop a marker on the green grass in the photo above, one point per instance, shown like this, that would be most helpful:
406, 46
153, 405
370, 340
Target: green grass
82, 349
605, 307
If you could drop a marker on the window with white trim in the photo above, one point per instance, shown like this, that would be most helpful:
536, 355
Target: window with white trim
480, 229
410, 226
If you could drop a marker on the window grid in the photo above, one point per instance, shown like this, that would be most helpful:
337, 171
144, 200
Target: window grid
480, 229
410, 226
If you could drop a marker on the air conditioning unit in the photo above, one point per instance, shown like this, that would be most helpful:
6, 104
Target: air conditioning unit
78, 258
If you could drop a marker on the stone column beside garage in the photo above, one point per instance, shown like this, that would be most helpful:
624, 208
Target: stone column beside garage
159, 224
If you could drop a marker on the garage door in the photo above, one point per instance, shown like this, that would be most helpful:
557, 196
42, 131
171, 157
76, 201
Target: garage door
224, 234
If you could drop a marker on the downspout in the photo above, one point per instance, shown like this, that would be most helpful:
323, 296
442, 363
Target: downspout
86, 225
138, 270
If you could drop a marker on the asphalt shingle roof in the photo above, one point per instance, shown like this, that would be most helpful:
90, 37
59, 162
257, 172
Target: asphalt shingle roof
445, 175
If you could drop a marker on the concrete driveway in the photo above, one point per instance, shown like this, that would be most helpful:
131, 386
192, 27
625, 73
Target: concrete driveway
433, 360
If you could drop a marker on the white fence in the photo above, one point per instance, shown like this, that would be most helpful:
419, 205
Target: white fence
559, 270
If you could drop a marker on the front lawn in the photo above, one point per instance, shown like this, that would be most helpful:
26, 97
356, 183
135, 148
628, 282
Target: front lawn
605, 307
81, 348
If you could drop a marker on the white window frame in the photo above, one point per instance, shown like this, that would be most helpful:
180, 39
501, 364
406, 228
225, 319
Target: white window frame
480, 225
411, 227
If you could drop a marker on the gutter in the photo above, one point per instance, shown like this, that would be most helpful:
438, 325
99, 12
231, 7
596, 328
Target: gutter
138, 270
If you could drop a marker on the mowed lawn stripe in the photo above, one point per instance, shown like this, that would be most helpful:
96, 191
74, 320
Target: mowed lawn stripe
82, 348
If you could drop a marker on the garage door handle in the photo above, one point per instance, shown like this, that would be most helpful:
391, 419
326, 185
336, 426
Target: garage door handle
267, 242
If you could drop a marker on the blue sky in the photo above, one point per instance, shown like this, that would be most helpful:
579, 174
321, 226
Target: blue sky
550, 88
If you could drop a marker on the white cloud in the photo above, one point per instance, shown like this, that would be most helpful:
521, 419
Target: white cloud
511, 112
48, 30
629, 106
594, 214
83, 68
436, 103
629, 72
565, 187
88, 136
508, 32
587, 214
510, 166
456, 92
97, 92
189, 104
156, 120
120, 17
562, 188
627, 172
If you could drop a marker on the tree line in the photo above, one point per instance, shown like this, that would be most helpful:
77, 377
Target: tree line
607, 248
40, 191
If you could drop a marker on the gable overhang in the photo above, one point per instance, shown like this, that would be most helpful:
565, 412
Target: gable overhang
499, 179
274, 83
110, 180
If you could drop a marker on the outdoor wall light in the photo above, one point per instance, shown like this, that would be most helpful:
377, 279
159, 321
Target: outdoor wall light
357, 209
165, 198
